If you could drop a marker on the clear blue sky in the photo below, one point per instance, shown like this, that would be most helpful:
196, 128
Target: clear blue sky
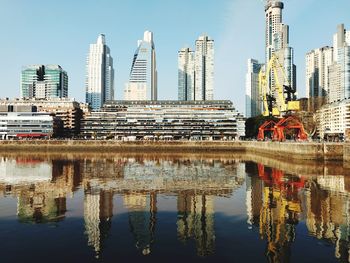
59, 32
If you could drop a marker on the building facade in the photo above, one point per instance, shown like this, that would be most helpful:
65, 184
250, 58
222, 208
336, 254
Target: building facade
333, 120
186, 74
253, 98
25, 124
68, 111
44, 82
204, 69
317, 75
339, 70
165, 120
99, 74
142, 83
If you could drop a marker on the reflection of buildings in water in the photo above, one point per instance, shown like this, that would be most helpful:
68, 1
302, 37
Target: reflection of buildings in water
325, 201
103, 168
98, 212
40, 207
140, 179
274, 206
142, 219
279, 215
254, 195
40, 186
139, 174
196, 220
327, 212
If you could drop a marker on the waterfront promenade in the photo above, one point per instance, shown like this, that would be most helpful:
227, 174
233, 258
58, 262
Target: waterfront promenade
290, 150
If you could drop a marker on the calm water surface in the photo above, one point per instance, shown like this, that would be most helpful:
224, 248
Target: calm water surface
111, 208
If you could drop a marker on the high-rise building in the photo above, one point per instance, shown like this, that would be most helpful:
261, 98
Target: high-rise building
339, 71
44, 81
99, 74
186, 74
204, 69
253, 99
142, 84
317, 76
277, 42
317, 63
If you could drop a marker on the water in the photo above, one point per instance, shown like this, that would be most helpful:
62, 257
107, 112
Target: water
196, 208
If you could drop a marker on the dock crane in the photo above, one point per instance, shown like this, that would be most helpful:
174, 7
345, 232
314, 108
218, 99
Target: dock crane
279, 101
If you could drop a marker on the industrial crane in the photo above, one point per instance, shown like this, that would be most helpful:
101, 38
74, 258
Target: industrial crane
279, 101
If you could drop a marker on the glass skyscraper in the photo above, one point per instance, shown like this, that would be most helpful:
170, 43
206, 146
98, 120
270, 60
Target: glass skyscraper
142, 84
186, 74
253, 100
100, 74
44, 81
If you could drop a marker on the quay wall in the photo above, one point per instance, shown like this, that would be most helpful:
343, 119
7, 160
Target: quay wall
285, 150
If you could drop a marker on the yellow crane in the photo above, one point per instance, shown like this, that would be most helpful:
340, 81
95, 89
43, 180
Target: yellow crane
281, 98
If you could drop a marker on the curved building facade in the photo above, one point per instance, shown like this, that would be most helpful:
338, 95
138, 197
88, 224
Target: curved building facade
142, 83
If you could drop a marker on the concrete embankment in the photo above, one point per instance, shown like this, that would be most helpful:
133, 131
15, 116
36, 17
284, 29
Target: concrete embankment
298, 151
286, 150
117, 146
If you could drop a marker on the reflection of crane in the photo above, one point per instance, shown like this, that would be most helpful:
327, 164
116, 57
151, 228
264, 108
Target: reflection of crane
279, 100
280, 212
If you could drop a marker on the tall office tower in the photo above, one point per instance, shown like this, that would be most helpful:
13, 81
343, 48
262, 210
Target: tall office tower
186, 74
339, 71
253, 100
277, 42
142, 84
44, 82
99, 74
317, 75
204, 69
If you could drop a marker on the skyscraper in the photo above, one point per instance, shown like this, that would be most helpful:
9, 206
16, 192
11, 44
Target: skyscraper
339, 71
317, 73
100, 74
277, 42
142, 84
204, 69
40, 81
186, 74
253, 99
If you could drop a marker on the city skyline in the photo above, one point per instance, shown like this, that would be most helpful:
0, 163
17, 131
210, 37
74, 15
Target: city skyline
224, 21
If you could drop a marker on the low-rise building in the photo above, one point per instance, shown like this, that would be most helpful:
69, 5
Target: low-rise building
68, 110
165, 120
26, 124
333, 120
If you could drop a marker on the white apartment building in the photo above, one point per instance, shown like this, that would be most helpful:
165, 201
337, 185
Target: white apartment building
333, 119
317, 73
339, 71
99, 74
204, 69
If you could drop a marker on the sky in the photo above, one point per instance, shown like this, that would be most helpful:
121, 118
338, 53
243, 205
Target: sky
59, 32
